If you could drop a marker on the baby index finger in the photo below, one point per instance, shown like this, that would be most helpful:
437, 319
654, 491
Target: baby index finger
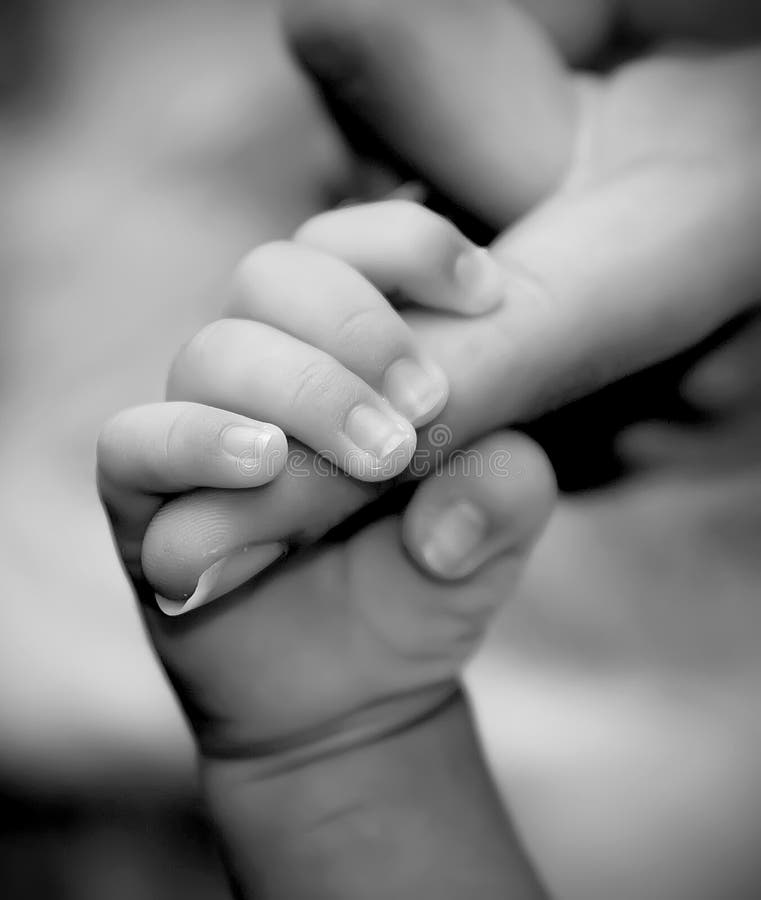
324, 302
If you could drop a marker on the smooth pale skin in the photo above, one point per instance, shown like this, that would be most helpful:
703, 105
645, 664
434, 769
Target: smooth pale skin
632, 285
646, 243
669, 292
146, 453
314, 700
632, 651
325, 703
558, 333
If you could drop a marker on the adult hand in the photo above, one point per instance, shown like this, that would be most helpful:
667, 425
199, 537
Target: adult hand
642, 600
648, 234
646, 242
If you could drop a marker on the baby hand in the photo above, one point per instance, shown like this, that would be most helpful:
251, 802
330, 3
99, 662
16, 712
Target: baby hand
345, 626
317, 349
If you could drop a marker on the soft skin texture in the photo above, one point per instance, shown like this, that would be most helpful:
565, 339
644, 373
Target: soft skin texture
692, 228
333, 631
646, 242
314, 692
637, 637
413, 815
369, 54
667, 168
315, 697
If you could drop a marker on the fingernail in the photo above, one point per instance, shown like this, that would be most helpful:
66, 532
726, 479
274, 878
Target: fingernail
456, 535
224, 575
417, 394
246, 445
480, 279
376, 433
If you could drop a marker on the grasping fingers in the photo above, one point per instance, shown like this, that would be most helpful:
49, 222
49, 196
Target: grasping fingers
147, 452
402, 247
314, 340
314, 645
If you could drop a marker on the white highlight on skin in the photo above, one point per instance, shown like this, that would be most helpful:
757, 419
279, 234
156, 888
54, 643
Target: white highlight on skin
454, 538
223, 576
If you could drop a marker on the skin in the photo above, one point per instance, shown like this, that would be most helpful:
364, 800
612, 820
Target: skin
598, 204
640, 189
614, 558
224, 364
314, 697
355, 644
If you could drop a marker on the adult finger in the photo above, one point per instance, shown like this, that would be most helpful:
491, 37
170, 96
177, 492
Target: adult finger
636, 269
472, 97
599, 287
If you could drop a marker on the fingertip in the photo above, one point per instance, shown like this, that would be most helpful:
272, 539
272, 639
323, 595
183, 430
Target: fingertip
223, 576
490, 500
480, 282
258, 451
382, 447
519, 485
408, 250
448, 547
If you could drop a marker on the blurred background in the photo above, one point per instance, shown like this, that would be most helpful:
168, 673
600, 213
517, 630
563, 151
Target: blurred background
144, 147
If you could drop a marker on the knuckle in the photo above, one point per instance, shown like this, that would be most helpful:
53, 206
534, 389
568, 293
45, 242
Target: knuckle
435, 239
313, 228
412, 216
195, 358
527, 286
209, 334
202, 346
319, 379
187, 429
108, 444
262, 258
258, 265
354, 327
533, 306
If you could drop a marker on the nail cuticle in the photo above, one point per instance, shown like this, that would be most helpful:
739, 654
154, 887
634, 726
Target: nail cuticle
242, 442
375, 433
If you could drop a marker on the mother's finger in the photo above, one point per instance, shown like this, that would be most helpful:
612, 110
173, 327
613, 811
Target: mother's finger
637, 268
600, 287
470, 96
